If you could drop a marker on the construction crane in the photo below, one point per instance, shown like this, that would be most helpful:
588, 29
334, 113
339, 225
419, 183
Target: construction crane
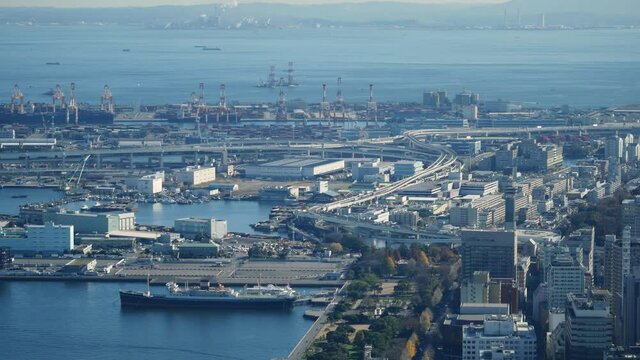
58, 95
106, 100
281, 113
73, 107
79, 170
17, 100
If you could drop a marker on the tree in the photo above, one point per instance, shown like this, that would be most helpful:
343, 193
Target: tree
390, 266
357, 289
336, 248
426, 317
422, 258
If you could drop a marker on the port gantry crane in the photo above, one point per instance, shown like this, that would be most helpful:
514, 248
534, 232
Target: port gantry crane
222, 103
58, 96
282, 110
73, 107
325, 106
106, 100
338, 106
17, 100
290, 79
372, 108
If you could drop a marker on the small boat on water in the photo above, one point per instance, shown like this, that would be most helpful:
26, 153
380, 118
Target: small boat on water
52, 63
18, 196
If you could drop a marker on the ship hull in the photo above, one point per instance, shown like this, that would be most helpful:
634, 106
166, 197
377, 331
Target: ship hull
58, 118
140, 300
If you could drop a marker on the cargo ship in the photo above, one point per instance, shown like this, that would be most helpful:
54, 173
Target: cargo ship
44, 115
219, 297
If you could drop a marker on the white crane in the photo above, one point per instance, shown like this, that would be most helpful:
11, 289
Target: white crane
79, 170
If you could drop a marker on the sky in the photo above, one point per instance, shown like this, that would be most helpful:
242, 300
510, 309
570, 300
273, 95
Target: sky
126, 3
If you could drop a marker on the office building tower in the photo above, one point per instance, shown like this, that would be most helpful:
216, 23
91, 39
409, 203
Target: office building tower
492, 251
589, 326
631, 309
631, 216
566, 276
507, 332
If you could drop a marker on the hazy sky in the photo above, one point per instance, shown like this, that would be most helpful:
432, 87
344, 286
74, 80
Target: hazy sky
119, 3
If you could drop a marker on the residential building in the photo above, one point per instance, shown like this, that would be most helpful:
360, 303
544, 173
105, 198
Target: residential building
479, 188
613, 148
479, 212
586, 239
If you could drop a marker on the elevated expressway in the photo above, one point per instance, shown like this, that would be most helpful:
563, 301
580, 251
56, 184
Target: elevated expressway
445, 159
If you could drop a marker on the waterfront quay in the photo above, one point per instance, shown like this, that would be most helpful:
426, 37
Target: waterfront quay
300, 272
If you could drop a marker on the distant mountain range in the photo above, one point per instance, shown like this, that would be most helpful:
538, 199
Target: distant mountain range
557, 12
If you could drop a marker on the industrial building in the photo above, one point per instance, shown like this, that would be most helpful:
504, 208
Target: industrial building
150, 184
403, 169
39, 239
209, 228
367, 171
196, 175
79, 266
6, 258
197, 250
93, 222
295, 168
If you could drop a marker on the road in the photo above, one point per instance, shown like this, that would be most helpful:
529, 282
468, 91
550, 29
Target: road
301, 348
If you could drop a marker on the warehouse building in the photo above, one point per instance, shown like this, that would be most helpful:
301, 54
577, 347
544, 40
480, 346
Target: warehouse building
295, 168
197, 250
90, 223
196, 175
207, 228
39, 239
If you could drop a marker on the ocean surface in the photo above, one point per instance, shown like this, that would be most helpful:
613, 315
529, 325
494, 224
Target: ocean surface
583, 68
75, 320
